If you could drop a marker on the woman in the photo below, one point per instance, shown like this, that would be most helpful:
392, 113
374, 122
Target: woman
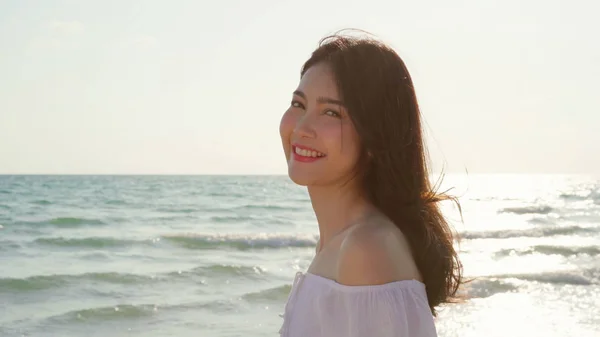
385, 257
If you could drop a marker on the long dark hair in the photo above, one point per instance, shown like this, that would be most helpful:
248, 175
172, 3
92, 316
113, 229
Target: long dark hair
378, 92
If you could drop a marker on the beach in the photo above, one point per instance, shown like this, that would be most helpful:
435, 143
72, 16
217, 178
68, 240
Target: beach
216, 255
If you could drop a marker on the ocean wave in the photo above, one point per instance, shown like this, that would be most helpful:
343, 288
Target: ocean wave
70, 221
268, 208
483, 287
41, 202
574, 277
589, 193
533, 232
7, 245
178, 210
231, 219
89, 242
198, 275
63, 222
227, 194
241, 241
575, 197
42, 282
593, 274
212, 306
528, 210
115, 202
136, 311
541, 221
272, 294
553, 250
220, 270
117, 312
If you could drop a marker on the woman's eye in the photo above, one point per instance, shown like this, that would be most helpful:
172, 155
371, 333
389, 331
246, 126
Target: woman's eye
332, 113
297, 104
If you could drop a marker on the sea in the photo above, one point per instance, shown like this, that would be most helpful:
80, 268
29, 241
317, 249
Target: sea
216, 255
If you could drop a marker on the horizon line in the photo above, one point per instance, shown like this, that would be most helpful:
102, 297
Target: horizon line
285, 174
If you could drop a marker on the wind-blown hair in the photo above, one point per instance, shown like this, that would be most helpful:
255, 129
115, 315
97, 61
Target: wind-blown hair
378, 92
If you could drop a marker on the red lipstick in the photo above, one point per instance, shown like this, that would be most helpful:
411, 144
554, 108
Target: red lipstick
302, 158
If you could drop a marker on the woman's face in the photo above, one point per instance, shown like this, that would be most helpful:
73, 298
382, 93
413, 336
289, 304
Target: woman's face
320, 142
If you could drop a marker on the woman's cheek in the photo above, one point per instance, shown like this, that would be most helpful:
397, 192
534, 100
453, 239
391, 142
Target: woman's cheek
286, 128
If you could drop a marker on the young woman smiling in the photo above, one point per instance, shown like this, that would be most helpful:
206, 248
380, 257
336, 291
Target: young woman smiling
385, 258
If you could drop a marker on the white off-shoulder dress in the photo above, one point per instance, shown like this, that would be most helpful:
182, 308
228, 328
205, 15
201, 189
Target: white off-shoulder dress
320, 307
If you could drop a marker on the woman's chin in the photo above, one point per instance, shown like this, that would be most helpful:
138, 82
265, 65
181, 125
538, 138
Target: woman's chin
301, 177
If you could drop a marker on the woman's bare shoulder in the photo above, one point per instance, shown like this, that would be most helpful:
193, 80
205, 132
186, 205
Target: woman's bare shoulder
375, 253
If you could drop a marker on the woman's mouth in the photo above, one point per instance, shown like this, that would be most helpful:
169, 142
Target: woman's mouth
306, 154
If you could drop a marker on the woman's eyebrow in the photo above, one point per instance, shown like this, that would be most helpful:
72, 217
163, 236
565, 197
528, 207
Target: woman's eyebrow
322, 100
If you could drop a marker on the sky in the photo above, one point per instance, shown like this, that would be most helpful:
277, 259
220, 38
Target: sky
199, 87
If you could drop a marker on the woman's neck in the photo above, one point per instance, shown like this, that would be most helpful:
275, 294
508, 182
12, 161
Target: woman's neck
336, 208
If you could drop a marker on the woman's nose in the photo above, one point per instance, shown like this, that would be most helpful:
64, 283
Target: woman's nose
304, 128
